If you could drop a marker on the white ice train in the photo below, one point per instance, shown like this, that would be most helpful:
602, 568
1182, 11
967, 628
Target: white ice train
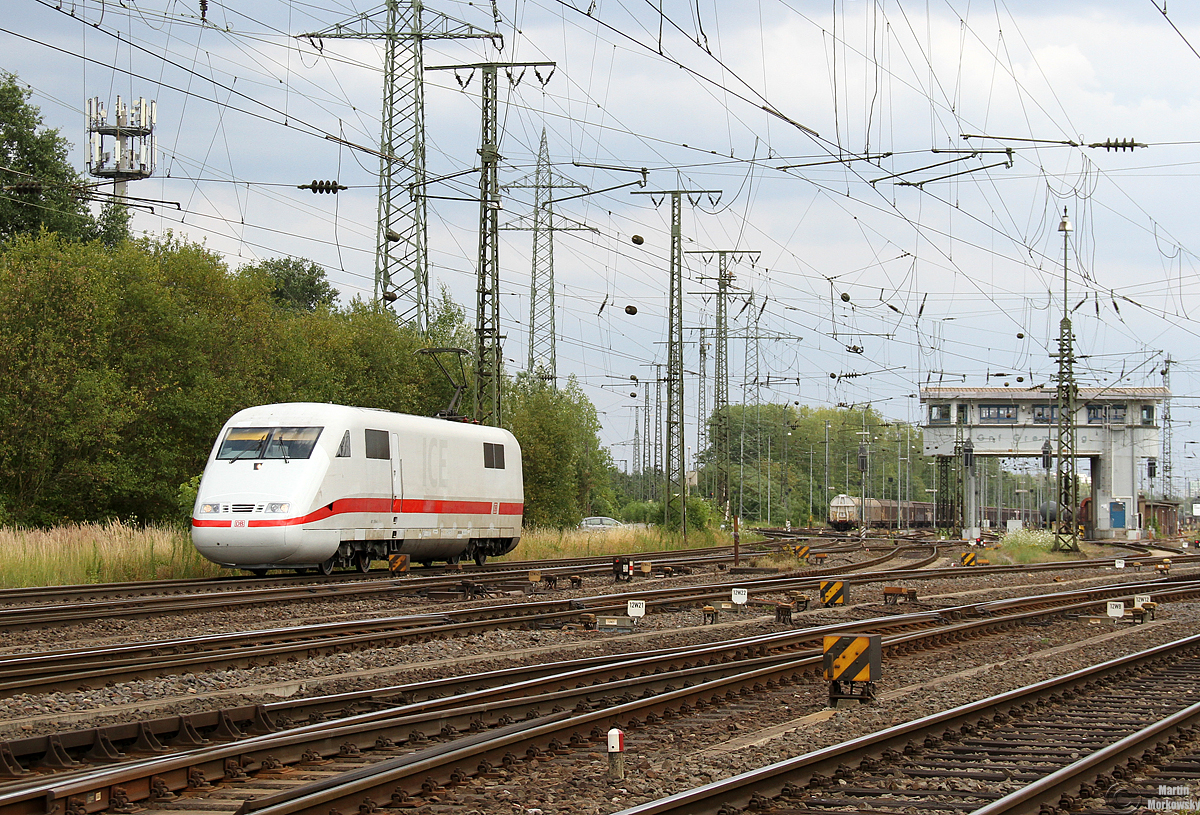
318, 486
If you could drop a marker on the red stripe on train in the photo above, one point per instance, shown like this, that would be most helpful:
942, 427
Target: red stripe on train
384, 506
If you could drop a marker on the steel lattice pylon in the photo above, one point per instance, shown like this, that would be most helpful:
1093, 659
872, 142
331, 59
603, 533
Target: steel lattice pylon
401, 249
720, 410
1066, 530
949, 508
541, 287
721, 381
543, 357
675, 500
1168, 490
489, 356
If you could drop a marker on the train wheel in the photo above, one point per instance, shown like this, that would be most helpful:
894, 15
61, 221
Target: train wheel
480, 558
362, 562
326, 567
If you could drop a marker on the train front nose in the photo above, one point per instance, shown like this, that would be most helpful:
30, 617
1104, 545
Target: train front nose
252, 540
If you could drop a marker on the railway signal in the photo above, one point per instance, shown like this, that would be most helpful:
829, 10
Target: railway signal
852, 665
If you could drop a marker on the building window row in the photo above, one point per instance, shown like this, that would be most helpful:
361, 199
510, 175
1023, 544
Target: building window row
1046, 413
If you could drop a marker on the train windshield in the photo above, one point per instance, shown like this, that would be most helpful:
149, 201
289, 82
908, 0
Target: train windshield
268, 442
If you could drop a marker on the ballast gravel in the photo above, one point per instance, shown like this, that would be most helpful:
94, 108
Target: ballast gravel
661, 759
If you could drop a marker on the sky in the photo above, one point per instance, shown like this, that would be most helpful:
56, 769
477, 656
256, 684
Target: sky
892, 176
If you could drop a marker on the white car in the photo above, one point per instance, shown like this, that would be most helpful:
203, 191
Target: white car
599, 523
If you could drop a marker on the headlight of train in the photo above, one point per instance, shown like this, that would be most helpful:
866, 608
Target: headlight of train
279, 507
207, 509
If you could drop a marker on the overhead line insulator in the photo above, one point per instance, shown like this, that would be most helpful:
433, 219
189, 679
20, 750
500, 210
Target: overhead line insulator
1117, 144
322, 186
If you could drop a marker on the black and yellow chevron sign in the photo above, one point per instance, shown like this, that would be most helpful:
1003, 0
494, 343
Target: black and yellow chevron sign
967, 559
833, 593
853, 658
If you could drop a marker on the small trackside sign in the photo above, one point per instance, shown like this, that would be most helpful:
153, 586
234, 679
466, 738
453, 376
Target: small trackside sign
740, 596
1116, 608
635, 608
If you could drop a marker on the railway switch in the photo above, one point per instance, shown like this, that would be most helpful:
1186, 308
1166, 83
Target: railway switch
622, 569
710, 615
896, 594
853, 664
800, 601
833, 593
576, 581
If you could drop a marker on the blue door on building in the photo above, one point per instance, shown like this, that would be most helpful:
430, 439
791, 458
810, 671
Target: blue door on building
1116, 514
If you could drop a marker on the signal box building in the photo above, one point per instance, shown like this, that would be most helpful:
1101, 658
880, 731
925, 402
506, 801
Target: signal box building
1116, 429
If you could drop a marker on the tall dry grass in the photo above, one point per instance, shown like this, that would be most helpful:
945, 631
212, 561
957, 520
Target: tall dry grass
117, 552
548, 544
112, 552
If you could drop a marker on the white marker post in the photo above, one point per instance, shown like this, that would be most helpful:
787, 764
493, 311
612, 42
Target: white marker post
1118, 564
740, 597
635, 609
1140, 600
1116, 609
616, 754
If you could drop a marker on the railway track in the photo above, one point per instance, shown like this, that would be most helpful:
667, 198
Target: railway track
82, 668
69, 669
466, 585
514, 570
1100, 739
423, 736
178, 597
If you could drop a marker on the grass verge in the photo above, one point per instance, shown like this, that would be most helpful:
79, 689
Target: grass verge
112, 552
547, 544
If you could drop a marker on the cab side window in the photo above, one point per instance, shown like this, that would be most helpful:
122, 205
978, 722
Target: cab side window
377, 444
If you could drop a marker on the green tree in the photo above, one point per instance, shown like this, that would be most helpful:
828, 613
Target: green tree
31, 153
296, 284
566, 468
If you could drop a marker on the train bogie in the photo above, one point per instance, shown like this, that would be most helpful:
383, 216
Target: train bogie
305, 485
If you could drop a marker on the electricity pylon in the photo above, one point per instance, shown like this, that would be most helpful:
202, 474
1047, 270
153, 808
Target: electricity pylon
676, 497
1066, 530
721, 360
543, 358
489, 357
401, 244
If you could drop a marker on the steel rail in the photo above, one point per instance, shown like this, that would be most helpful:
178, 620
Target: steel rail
737, 791
751, 671
71, 668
